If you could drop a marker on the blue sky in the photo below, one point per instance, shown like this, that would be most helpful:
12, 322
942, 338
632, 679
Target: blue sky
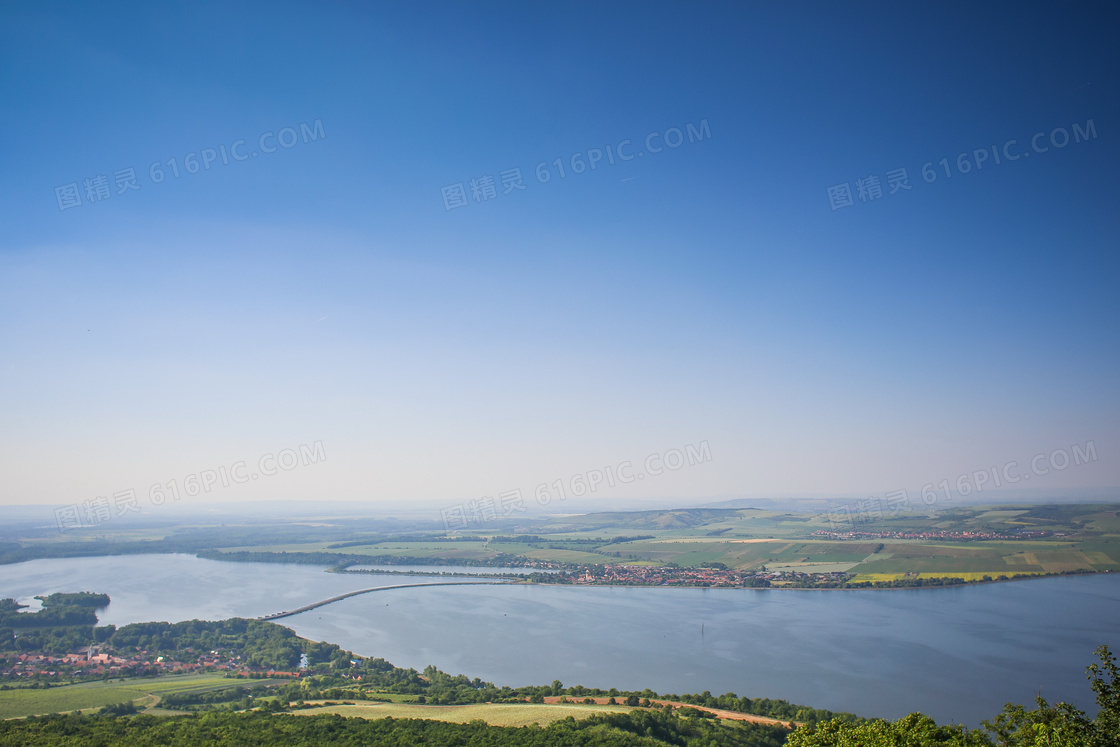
708, 292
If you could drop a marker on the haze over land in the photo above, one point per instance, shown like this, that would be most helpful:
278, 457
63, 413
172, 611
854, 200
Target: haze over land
622, 354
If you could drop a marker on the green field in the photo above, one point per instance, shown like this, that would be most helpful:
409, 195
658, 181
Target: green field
992, 558
750, 555
1079, 537
747, 539
496, 714
85, 695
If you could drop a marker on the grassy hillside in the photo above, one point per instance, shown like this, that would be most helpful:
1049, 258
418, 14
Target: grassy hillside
495, 714
961, 541
27, 702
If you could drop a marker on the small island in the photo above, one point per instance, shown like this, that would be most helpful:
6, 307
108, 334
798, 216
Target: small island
59, 609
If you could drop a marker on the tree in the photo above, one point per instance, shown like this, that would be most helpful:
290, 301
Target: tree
1106, 686
119, 709
915, 730
1062, 724
1058, 725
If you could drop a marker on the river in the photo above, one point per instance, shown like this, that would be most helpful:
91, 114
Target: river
957, 654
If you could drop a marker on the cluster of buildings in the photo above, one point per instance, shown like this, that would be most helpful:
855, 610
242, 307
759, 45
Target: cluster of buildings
638, 575
93, 662
90, 663
941, 535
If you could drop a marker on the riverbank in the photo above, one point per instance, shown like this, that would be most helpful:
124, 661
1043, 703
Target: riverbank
837, 651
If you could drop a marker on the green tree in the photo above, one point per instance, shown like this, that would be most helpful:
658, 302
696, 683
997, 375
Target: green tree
1105, 681
1058, 725
1062, 725
915, 730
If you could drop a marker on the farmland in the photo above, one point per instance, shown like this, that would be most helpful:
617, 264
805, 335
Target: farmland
967, 542
964, 542
495, 714
91, 695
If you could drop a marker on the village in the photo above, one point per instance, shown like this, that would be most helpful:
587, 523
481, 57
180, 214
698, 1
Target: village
938, 535
95, 663
710, 575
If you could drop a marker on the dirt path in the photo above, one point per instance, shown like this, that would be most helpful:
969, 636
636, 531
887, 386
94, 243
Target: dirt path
732, 715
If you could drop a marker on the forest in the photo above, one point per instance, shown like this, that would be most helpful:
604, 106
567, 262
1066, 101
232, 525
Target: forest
1058, 725
634, 729
333, 673
58, 610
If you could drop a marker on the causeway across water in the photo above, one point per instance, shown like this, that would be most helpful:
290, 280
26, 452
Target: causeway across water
306, 607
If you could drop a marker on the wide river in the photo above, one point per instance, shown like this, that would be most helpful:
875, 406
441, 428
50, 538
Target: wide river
957, 654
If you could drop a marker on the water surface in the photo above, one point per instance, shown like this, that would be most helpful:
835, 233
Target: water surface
957, 654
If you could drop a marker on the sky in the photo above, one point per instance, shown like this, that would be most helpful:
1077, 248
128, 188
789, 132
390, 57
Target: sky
372, 232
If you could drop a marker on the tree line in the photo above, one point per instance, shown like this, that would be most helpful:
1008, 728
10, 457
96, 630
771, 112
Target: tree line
334, 672
634, 729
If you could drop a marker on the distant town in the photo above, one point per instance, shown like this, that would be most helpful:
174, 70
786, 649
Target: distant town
709, 575
97, 662
939, 535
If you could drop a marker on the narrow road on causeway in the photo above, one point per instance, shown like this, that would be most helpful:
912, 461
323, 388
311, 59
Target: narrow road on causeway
306, 607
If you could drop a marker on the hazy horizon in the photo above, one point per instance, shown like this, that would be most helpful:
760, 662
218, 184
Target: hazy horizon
371, 238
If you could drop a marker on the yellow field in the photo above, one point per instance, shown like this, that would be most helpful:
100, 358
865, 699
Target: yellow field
495, 714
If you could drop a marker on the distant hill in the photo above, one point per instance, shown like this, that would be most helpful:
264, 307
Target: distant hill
753, 504
680, 518
794, 505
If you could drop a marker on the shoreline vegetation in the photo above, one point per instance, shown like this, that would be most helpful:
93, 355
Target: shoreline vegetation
542, 579
264, 665
707, 576
699, 548
189, 682
58, 610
